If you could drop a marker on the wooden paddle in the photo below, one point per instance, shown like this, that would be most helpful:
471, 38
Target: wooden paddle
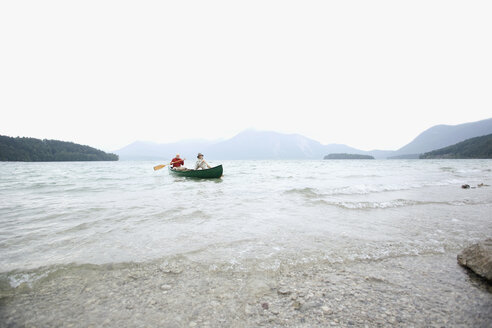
158, 167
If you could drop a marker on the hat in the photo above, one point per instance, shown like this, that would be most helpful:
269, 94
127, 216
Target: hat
199, 154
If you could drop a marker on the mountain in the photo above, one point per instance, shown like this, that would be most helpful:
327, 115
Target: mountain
441, 136
36, 150
478, 147
254, 144
249, 144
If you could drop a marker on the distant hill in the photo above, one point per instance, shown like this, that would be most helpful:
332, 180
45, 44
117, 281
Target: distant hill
347, 156
36, 150
249, 144
440, 136
478, 147
254, 144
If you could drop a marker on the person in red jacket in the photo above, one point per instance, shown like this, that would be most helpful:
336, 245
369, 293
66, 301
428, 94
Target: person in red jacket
177, 163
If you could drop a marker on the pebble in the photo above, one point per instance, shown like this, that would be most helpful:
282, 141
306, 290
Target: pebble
216, 298
248, 309
284, 291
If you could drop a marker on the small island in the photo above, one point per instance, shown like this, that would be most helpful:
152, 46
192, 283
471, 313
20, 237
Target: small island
37, 150
478, 147
347, 156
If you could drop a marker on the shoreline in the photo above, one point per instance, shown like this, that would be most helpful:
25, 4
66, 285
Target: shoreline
424, 290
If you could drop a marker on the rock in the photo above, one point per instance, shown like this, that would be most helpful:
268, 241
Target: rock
171, 270
264, 306
465, 186
296, 305
326, 309
308, 306
478, 258
132, 277
258, 287
274, 310
23, 288
249, 310
284, 291
166, 287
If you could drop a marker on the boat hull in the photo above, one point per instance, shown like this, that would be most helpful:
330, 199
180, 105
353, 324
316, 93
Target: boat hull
213, 173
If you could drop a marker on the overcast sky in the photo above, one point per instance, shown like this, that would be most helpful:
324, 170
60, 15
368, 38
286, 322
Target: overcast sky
370, 74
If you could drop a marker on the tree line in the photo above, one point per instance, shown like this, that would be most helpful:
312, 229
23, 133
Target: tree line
478, 147
37, 150
347, 156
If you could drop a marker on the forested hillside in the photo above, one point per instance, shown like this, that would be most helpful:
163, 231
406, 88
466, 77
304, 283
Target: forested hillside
347, 156
36, 150
479, 147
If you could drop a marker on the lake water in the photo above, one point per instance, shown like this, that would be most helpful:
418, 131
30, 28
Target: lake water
261, 215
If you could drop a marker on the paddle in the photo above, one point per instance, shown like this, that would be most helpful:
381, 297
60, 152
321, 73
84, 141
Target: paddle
158, 167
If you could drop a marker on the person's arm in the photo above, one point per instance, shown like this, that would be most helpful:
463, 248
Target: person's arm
177, 161
207, 165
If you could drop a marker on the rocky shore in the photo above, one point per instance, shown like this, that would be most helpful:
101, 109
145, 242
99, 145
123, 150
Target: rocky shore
419, 291
478, 258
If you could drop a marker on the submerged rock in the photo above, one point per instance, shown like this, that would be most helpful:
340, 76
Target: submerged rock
478, 258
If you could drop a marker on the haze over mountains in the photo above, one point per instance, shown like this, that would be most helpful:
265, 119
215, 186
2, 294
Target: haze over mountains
253, 144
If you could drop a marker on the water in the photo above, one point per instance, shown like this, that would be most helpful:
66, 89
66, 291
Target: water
261, 215
55, 213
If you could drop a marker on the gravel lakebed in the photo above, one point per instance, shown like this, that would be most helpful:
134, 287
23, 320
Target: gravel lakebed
421, 291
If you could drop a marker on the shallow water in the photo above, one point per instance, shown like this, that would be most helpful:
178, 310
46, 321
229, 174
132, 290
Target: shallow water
261, 216
105, 212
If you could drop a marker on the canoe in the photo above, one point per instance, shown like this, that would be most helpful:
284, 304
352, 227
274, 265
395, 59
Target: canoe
213, 173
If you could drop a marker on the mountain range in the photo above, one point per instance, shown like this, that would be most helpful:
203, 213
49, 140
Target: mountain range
254, 144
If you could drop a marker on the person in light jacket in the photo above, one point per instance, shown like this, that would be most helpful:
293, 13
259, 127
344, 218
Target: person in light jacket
200, 163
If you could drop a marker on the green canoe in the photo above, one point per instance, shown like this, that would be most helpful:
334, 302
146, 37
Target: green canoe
213, 173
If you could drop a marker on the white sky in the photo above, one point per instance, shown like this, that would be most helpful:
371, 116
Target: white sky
370, 74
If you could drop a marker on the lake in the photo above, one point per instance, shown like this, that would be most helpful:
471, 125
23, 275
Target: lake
87, 225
